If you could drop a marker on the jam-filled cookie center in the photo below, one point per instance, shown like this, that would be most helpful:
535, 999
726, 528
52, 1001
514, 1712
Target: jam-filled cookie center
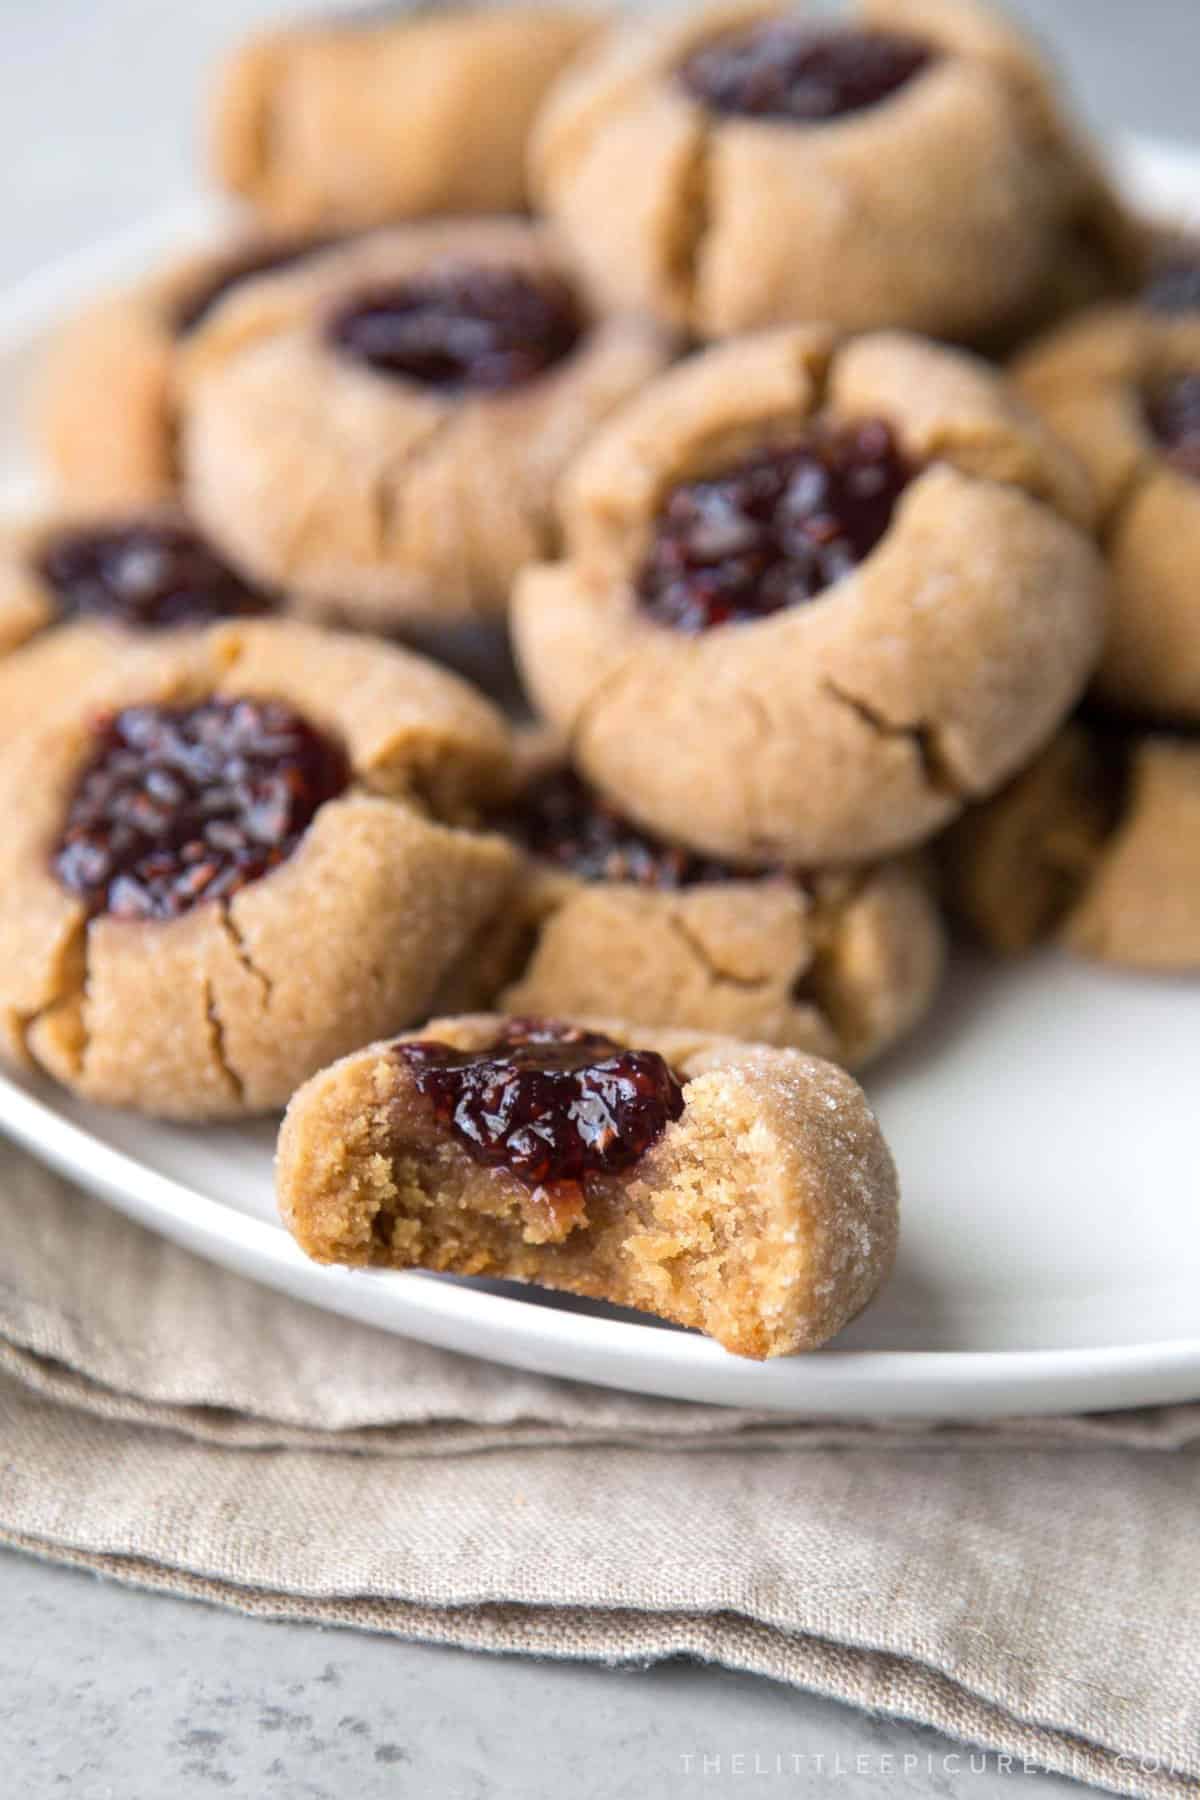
563, 821
549, 1103
774, 530
1173, 412
205, 295
802, 73
152, 576
461, 329
178, 805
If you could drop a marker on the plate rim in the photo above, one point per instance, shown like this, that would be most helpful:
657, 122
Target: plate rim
999, 1382
554, 1341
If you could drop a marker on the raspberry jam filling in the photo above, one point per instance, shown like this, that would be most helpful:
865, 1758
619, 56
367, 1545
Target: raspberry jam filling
549, 1103
461, 329
1173, 412
265, 259
152, 576
802, 73
183, 804
773, 531
564, 822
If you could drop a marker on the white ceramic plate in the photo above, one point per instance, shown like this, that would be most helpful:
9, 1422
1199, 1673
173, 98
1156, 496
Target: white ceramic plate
1044, 1123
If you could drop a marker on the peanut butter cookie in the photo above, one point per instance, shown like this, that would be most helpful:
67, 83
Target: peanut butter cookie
108, 418
741, 1190
1121, 386
818, 595
77, 589
352, 122
747, 165
1096, 846
838, 963
238, 859
383, 432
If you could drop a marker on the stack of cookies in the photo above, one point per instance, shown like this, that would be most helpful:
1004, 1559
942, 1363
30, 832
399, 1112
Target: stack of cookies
666, 352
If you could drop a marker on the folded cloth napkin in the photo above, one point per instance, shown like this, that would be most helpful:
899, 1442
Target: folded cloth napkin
974, 1577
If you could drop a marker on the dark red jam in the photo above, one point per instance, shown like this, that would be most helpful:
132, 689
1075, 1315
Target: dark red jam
802, 73
565, 822
1173, 410
548, 1102
183, 804
261, 259
1174, 284
773, 531
461, 329
150, 575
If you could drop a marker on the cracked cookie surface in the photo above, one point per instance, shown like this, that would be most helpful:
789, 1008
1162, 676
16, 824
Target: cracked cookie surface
861, 719
841, 964
355, 123
1110, 384
753, 1197
383, 432
296, 916
744, 165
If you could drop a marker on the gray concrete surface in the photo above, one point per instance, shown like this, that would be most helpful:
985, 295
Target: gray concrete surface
108, 1694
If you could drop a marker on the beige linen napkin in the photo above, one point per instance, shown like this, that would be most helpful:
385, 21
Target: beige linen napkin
1032, 1586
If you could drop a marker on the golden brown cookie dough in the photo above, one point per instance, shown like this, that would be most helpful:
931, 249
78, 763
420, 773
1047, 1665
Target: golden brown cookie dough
77, 589
1096, 381
355, 122
212, 1008
764, 1213
839, 963
948, 206
1096, 846
379, 496
860, 722
107, 415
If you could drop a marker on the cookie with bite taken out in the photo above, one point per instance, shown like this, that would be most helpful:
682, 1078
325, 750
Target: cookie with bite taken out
742, 1190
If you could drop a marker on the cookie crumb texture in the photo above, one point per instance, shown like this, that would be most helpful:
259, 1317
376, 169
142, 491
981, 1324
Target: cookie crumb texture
735, 166
264, 858
382, 432
764, 1214
813, 660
